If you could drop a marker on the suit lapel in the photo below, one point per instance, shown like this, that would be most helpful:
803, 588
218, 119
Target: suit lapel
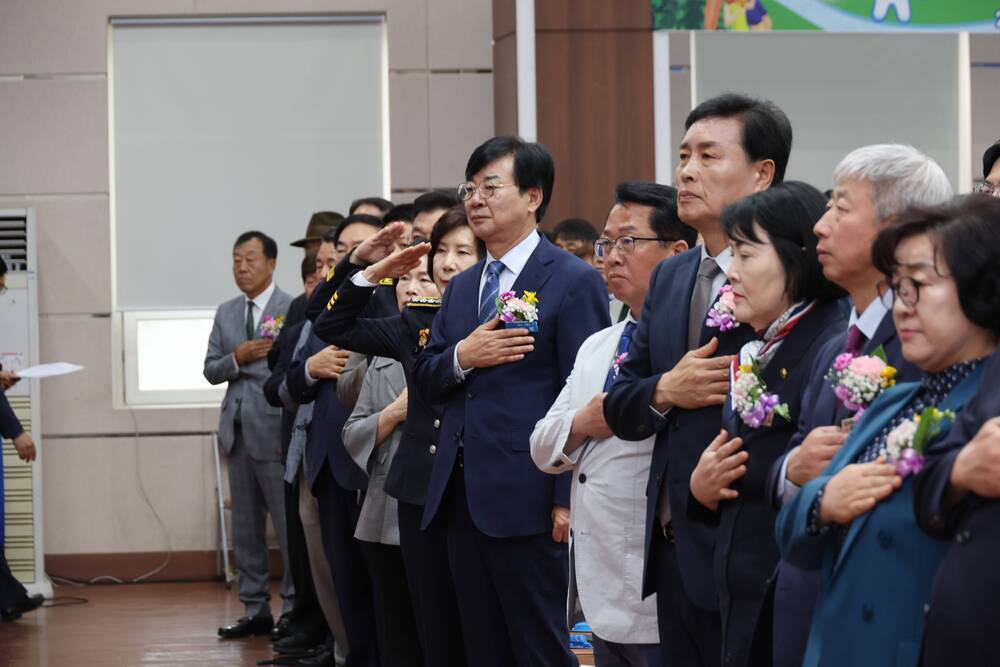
536, 271
466, 297
857, 443
678, 304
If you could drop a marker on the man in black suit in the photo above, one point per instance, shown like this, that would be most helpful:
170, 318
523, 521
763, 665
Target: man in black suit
677, 374
871, 185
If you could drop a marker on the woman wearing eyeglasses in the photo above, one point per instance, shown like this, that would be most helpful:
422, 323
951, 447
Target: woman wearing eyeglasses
855, 522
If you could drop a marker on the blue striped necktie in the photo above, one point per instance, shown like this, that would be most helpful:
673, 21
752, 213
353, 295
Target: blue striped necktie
491, 290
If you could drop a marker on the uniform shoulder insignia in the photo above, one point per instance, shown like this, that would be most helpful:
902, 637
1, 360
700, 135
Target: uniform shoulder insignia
333, 300
424, 302
329, 274
387, 281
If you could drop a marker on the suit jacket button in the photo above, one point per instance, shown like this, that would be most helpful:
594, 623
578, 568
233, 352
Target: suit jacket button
867, 613
470, 396
936, 522
437, 423
963, 537
432, 449
884, 539
582, 478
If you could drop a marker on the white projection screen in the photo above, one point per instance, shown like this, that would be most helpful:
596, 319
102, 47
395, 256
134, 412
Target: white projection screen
222, 127
842, 91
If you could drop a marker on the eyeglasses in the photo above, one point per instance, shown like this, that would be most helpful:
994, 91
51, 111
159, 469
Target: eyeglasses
486, 189
989, 189
624, 244
906, 290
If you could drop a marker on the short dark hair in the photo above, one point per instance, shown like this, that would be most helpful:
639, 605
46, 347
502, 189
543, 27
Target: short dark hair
787, 213
399, 213
3, 267
270, 247
576, 229
663, 199
767, 132
308, 265
434, 200
356, 219
378, 202
965, 233
449, 221
533, 166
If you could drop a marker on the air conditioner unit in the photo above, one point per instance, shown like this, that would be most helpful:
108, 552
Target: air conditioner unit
22, 482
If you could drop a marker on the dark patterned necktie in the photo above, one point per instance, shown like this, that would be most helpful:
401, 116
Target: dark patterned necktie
249, 322
623, 344
491, 290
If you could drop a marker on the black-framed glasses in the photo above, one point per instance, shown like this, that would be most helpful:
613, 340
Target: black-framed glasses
906, 290
486, 189
624, 244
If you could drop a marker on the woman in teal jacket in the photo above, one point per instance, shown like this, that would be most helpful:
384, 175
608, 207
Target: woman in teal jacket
855, 522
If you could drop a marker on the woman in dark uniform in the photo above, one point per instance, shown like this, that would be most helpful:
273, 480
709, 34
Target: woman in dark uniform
453, 249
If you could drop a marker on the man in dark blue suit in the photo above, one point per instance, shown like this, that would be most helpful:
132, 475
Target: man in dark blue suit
871, 185
677, 374
506, 521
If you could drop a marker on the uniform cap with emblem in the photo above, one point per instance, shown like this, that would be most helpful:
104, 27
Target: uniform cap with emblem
319, 224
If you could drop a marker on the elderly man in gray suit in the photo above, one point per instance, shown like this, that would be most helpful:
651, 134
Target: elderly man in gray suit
609, 475
249, 428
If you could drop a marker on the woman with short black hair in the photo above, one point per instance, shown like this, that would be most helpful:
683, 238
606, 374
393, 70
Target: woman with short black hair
855, 522
776, 286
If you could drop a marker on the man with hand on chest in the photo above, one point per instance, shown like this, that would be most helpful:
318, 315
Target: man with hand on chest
506, 521
676, 376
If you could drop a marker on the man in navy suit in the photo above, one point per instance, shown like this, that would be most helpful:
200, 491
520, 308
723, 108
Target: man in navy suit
677, 374
506, 521
871, 185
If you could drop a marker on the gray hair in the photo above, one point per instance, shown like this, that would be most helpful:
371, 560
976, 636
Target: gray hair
899, 176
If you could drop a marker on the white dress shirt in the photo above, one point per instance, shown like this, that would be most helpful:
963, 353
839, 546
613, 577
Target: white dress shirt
513, 264
259, 304
608, 505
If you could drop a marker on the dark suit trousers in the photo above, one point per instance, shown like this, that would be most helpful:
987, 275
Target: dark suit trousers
689, 636
511, 591
12, 593
398, 645
425, 556
795, 593
338, 516
306, 616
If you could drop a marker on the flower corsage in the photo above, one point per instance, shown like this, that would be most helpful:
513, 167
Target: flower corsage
751, 400
720, 315
857, 381
905, 445
518, 313
270, 327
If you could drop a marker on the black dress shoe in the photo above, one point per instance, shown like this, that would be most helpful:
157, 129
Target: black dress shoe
325, 658
31, 603
246, 626
282, 628
9, 615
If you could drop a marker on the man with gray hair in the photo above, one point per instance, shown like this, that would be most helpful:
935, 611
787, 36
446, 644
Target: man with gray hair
872, 185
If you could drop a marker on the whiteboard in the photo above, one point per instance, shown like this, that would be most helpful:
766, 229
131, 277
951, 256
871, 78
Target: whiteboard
220, 127
842, 91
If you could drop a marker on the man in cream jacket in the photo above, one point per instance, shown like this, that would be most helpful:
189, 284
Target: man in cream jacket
609, 474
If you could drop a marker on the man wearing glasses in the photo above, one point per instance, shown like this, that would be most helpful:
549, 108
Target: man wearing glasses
506, 521
609, 475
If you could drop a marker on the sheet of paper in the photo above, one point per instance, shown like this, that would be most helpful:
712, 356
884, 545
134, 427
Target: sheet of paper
49, 370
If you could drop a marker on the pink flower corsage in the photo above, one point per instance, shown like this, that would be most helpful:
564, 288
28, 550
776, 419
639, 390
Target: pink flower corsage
720, 315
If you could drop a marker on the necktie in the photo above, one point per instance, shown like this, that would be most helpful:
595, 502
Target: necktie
249, 322
491, 290
855, 339
623, 344
707, 272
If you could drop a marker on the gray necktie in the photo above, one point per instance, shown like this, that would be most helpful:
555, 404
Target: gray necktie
700, 299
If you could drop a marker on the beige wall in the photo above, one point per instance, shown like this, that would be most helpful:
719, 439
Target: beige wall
54, 142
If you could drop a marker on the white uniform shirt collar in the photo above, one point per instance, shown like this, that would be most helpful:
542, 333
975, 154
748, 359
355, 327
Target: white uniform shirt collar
868, 322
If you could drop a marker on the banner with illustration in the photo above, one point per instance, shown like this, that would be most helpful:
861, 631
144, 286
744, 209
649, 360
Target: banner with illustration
828, 15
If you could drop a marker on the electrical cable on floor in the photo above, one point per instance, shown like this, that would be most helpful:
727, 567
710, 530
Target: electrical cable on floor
163, 527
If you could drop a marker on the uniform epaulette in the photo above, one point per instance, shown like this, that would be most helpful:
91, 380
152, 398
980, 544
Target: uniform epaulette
424, 302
